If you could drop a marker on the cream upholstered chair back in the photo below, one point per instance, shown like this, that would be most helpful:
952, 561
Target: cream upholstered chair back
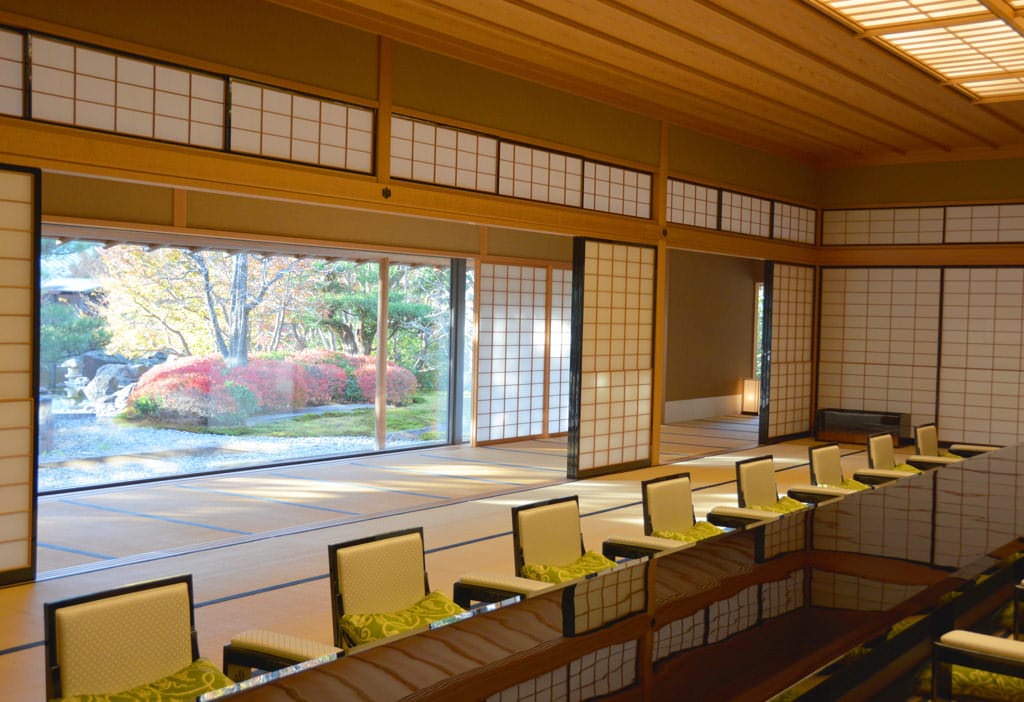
926, 440
382, 573
826, 465
547, 533
880, 451
755, 482
668, 503
119, 639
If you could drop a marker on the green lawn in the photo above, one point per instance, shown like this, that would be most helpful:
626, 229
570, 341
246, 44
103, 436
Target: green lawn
421, 414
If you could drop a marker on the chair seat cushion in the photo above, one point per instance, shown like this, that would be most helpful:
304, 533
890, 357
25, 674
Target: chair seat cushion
590, 562
364, 628
183, 686
700, 530
851, 484
905, 468
785, 504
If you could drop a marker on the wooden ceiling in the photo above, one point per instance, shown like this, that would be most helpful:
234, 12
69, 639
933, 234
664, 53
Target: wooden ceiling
778, 75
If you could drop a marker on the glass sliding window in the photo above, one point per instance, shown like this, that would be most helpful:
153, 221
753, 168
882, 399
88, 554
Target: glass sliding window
162, 361
419, 320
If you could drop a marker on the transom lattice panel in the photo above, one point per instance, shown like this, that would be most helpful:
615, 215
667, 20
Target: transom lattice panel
12, 73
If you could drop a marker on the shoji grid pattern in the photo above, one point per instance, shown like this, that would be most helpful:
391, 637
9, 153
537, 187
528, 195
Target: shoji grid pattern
893, 522
734, 614
793, 223
616, 190
692, 204
430, 153
511, 363
603, 671
558, 351
549, 687
903, 225
842, 591
536, 174
87, 87
17, 263
784, 536
879, 340
981, 391
978, 507
746, 214
781, 596
792, 335
12, 73
681, 634
286, 125
607, 597
985, 223
616, 364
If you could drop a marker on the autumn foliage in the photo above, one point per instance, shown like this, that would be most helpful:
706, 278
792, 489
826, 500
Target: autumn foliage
200, 390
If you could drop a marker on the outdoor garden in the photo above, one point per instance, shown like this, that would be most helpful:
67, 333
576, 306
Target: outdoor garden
167, 360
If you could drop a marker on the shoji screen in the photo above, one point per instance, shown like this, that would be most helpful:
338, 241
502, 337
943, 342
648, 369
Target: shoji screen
19, 222
612, 345
523, 353
791, 337
879, 340
982, 369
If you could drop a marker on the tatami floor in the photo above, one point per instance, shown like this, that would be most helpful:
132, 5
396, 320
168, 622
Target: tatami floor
256, 542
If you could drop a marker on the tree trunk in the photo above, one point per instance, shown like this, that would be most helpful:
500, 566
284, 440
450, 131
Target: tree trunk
238, 312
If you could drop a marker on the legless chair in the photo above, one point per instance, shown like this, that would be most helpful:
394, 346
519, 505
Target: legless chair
379, 588
757, 495
669, 520
929, 455
827, 481
882, 461
926, 440
548, 542
990, 665
138, 641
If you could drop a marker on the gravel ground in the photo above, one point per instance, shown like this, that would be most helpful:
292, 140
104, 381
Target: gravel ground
91, 451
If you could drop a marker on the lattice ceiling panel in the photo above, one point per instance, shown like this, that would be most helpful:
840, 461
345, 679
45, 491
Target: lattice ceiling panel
975, 46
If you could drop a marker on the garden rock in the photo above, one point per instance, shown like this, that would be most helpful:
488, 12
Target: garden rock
109, 379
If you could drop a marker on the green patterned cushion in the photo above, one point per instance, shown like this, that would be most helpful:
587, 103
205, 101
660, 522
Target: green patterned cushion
971, 684
183, 686
589, 562
700, 530
851, 484
363, 628
784, 505
906, 468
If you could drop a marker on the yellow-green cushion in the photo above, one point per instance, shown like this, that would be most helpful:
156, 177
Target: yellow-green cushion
700, 530
363, 628
973, 684
589, 562
184, 686
784, 505
851, 484
906, 468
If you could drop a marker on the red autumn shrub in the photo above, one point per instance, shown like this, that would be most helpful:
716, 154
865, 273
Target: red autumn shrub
401, 383
324, 383
277, 385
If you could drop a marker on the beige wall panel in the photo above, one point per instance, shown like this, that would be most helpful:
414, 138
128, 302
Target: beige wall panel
14, 527
15, 385
17, 552
15, 300
230, 33
14, 216
238, 214
17, 243
14, 497
922, 183
15, 187
16, 330
710, 324
15, 414
16, 357
12, 470
93, 198
15, 273
16, 442
446, 87
718, 162
523, 244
